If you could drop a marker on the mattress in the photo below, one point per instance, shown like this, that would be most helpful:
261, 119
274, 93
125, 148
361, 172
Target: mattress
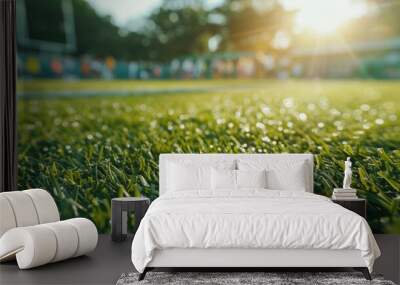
250, 219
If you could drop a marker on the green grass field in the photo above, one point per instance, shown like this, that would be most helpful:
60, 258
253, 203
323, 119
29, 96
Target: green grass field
86, 150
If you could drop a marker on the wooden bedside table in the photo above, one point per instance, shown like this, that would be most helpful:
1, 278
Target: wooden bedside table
357, 205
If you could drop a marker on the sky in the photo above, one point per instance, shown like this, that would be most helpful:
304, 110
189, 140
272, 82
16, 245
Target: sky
123, 11
323, 16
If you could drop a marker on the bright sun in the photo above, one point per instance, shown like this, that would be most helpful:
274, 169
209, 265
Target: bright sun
325, 16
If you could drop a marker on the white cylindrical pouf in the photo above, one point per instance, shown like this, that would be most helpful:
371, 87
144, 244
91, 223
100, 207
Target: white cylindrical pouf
87, 235
67, 240
45, 206
7, 218
31, 232
33, 246
23, 208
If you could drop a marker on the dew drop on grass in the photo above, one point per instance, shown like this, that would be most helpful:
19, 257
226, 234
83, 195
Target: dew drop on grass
220, 121
334, 112
364, 107
266, 110
303, 117
338, 123
288, 102
246, 128
266, 139
260, 125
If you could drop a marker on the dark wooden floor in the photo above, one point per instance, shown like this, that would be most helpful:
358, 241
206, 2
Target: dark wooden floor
110, 260
103, 266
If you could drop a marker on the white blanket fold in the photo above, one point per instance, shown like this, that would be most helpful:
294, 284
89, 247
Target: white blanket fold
250, 219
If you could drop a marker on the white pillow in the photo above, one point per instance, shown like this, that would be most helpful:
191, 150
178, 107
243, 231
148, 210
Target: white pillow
251, 178
223, 179
281, 175
293, 179
188, 177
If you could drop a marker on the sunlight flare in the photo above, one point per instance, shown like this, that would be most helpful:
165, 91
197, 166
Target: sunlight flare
322, 16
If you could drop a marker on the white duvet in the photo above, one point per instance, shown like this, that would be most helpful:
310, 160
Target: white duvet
250, 219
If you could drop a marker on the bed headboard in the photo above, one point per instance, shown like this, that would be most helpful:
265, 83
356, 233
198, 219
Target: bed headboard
195, 158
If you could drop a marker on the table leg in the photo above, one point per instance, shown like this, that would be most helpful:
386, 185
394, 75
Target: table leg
116, 221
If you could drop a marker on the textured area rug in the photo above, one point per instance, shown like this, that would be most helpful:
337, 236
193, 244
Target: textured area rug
244, 278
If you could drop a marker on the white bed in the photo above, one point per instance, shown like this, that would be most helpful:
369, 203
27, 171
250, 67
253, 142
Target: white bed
250, 227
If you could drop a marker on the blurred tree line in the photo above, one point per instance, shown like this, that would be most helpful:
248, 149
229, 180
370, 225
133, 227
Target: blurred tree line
177, 28
183, 27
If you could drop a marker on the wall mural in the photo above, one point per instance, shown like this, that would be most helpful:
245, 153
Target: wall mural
93, 120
